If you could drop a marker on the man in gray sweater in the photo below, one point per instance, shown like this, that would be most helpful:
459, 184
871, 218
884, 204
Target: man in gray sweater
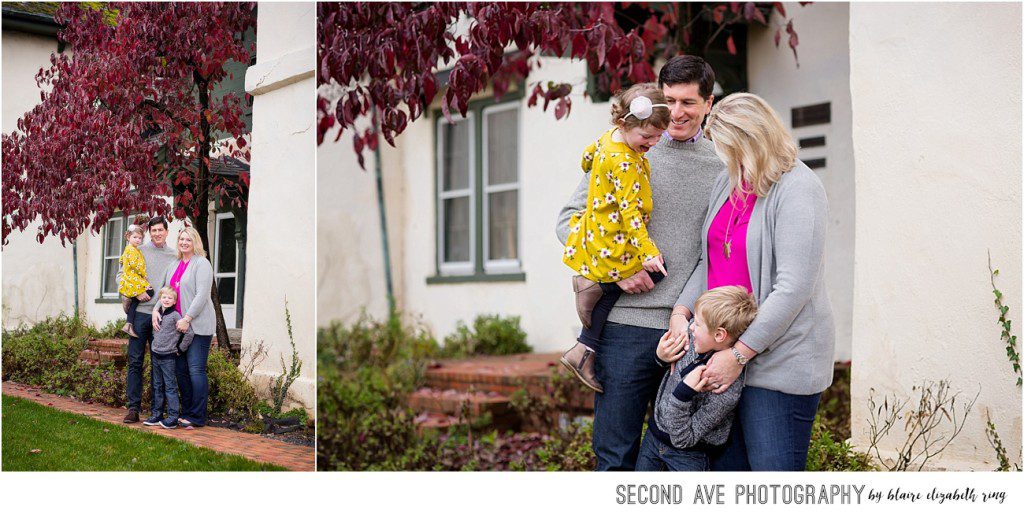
683, 168
158, 255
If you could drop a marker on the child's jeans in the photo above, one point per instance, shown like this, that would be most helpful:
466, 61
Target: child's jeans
592, 336
165, 386
133, 306
658, 456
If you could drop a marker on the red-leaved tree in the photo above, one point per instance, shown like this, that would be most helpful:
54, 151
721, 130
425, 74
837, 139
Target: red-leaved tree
128, 118
384, 56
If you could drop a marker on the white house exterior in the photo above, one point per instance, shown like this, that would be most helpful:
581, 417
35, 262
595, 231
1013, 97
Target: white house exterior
912, 211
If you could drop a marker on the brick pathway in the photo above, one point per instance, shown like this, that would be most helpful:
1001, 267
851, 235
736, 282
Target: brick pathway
250, 446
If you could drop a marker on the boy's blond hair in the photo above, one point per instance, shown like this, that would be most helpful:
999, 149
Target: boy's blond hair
728, 307
168, 290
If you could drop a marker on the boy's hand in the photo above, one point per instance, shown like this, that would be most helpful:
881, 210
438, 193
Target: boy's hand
656, 263
669, 349
695, 378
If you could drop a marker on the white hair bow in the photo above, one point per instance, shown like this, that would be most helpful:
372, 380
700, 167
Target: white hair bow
641, 107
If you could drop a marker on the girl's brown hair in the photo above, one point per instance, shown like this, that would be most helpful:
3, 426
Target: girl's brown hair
659, 118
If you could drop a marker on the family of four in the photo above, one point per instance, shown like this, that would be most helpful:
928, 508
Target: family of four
729, 258
179, 329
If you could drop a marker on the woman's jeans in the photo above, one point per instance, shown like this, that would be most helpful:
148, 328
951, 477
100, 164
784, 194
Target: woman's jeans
658, 456
192, 380
628, 370
771, 432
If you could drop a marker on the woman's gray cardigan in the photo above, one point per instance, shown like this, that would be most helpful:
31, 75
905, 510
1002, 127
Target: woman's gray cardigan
794, 333
194, 295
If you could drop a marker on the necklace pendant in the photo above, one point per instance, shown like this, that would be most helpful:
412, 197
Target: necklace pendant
727, 248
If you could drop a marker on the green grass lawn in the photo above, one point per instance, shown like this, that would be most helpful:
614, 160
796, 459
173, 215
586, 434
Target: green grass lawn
72, 442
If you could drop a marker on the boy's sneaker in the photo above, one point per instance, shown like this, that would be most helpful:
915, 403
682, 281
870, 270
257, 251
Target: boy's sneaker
152, 421
580, 360
169, 423
128, 329
588, 293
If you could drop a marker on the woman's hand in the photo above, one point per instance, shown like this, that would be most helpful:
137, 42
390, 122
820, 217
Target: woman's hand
669, 349
182, 325
723, 369
677, 326
156, 320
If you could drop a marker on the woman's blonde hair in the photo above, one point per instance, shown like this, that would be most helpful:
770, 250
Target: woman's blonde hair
751, 139
660, 116
728, 307
197, 242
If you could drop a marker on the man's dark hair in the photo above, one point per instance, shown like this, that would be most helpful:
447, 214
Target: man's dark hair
688, 69
157, 220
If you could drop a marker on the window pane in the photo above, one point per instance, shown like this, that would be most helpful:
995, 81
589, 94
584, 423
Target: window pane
456, 229
502, 147
226, 290
110, 276
502, 225
455, 157
114, 238
227, 247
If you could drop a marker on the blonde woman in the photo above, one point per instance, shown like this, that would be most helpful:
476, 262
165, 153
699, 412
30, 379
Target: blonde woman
764, 230
191, 276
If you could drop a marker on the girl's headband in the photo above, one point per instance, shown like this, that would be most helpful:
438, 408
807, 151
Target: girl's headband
641, 107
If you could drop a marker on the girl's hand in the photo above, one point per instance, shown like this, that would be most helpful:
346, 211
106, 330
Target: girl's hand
669, 350
656, 263
182, 325
695, 378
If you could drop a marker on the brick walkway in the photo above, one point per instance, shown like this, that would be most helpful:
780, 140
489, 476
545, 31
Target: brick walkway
250, 446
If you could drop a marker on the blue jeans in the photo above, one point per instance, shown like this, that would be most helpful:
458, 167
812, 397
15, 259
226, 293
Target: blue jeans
628, 371
143, 326
658, 456
165, 386
771, 432
192, 380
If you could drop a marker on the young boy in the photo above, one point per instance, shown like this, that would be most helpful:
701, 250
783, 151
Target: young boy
688, 419
167, 344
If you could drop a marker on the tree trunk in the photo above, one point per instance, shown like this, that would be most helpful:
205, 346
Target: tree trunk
202, 199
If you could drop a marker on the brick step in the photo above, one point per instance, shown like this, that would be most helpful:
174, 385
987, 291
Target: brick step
118, 345
451, 401
436, 421
95, 357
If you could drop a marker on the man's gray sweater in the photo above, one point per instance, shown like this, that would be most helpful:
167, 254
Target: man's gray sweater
681, 178
157, 260
689, 417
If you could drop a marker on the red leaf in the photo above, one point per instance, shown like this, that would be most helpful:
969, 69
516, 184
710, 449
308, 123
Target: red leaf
718, 14
778, 37
730, 45
560, 109
781, 8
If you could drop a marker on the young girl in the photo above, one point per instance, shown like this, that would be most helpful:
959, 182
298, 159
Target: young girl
133, 276
608, 241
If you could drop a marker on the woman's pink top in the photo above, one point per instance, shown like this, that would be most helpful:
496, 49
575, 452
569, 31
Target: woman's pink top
175, 283
734, 217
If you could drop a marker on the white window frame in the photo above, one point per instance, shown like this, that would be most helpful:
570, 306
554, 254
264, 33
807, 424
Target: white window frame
217, 274
111, 260
458, 267
496, 266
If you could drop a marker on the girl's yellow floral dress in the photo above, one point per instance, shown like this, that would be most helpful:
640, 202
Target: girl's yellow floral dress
133, 276
608, 241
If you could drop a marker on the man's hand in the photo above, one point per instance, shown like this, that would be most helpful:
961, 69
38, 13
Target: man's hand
695, 378
722, 371
639, 283
143, 297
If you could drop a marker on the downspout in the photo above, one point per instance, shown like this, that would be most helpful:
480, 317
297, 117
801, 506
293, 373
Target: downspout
383, 228
74, 264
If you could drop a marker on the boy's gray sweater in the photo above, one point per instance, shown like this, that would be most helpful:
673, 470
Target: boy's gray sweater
682, 174
166, 340
689, 417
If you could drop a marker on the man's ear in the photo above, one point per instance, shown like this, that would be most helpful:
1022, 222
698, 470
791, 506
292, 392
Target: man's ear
721, 335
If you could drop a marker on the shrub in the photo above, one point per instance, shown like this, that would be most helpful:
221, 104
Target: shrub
490, 335
364, 372
827, 454
570, 449
230, 390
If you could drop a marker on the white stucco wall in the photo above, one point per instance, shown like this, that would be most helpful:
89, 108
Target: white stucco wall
823, 76
282, 213
37, 278
937, 144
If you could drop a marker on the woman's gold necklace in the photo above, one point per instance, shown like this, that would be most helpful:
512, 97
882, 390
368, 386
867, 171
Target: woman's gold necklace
727, 245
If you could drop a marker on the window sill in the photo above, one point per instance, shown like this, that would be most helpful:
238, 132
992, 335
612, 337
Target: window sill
462, 279
108, 300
